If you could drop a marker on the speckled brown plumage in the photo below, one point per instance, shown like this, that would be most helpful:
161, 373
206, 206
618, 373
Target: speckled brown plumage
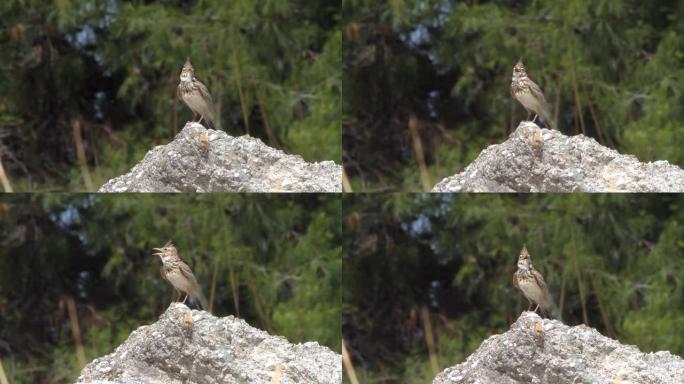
528, 93
531, 283
195, 95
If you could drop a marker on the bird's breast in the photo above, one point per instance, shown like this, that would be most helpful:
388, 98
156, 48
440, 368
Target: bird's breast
193, 98
179, 281
186, 86
530, 289
528, 100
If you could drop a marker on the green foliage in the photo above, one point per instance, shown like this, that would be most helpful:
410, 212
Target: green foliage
612, 70
613, 262
314, 310
662, 289
273, 260
273, 69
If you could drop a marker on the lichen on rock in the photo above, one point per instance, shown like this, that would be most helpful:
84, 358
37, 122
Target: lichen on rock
542, 160
186, 346
536, 350
205, 160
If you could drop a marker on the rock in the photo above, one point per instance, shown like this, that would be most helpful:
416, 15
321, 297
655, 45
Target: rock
548, 351
205, 160
558, 163
186, 346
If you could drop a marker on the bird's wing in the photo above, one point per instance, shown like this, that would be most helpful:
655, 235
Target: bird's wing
204, 91
537, 92
539, 279
515, 279
206, 96
187, 272
197, 292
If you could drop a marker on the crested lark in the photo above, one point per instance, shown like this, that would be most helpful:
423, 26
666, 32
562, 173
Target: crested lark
195, 95
529, 94
531, 283
176, 272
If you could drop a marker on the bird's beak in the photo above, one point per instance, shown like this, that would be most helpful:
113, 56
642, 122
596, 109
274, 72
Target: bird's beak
159, 251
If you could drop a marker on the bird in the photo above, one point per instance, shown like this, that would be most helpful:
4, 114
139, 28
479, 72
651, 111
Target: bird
179, 274
528, 93
532, 283
195, 95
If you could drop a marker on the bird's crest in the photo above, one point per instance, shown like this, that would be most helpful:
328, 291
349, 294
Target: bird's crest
519, 66
187, 66
524, 254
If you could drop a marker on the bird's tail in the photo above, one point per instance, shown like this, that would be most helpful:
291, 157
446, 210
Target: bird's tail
546, 117
210, 122
201, 301
552, 310
210, 116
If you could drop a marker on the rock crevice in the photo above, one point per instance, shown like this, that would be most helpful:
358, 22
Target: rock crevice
548, 351
543, 160
205, 160
186, 346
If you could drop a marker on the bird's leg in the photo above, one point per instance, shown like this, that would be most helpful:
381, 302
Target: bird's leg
179, 295
200, 120
185, 298
535, 117
535, 308
194, 116
528, 115
529, 307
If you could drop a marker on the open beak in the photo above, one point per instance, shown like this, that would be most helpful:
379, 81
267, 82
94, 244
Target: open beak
159, 251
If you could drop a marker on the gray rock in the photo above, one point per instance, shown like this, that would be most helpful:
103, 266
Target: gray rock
548, 351
205, 160
559, 163
186, 346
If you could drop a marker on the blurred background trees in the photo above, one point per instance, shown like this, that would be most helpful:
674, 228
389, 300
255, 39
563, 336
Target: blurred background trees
77, 273
87, 87
428, 277
426, 82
